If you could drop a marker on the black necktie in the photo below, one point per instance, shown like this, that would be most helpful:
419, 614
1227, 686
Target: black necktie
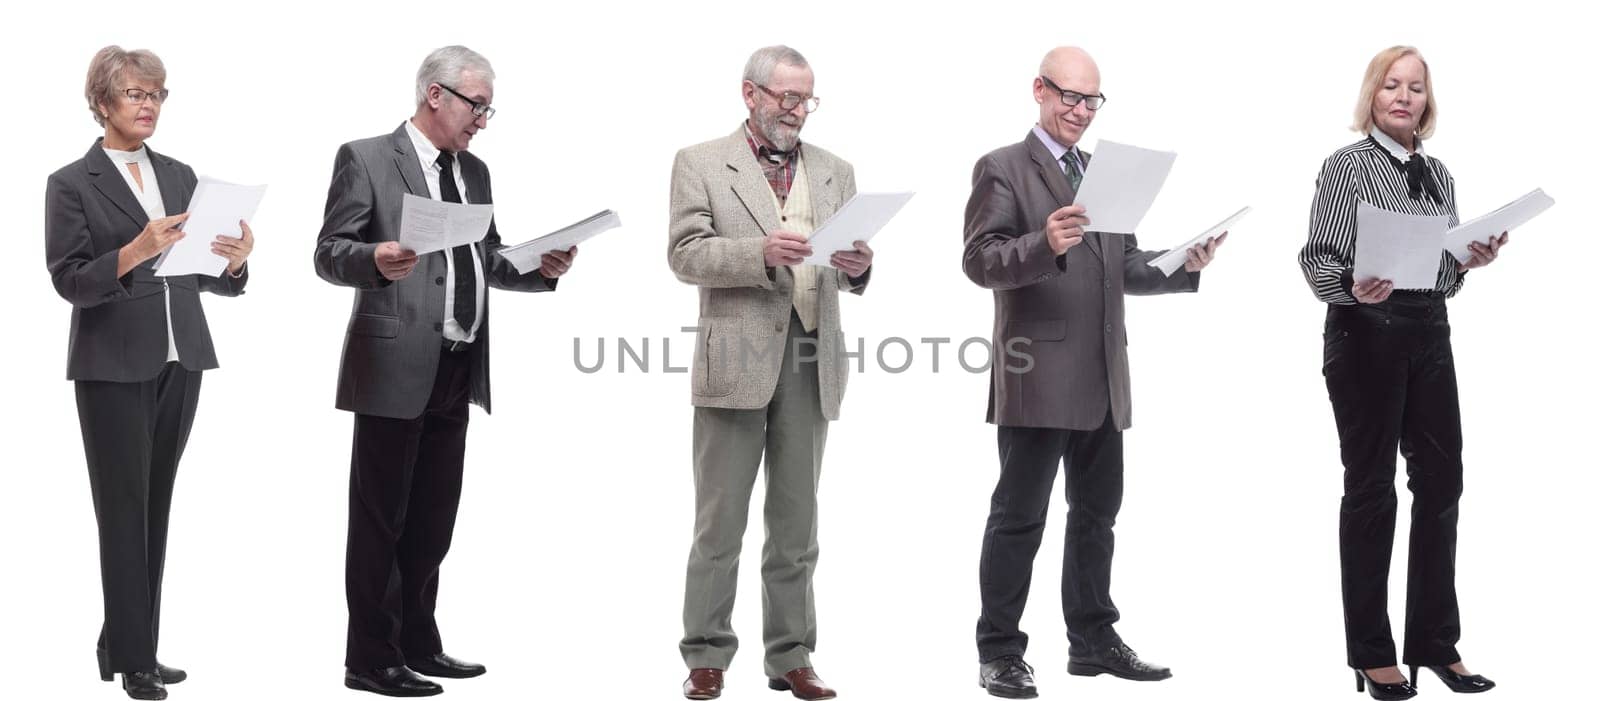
466, 302
1073, 176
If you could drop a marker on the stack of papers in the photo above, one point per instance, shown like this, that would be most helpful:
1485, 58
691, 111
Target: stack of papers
860, 219
428, 225
525, 256
215, 210
1170, 261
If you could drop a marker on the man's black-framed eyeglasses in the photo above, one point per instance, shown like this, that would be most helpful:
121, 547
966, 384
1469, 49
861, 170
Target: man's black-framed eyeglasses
479, 109
1071, 98
788, 101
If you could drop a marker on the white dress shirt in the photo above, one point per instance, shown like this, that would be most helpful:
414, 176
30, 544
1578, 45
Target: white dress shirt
428, 154
149, 197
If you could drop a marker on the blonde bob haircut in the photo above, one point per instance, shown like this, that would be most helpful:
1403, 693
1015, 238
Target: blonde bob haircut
1377, 70
104, 86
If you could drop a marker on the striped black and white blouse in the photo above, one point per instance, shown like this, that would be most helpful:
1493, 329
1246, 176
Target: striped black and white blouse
1364, 171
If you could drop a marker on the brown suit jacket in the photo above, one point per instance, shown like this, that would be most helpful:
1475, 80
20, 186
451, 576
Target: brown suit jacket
1060, 344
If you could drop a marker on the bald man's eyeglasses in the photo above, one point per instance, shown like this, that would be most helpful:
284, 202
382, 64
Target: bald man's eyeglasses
1071, 98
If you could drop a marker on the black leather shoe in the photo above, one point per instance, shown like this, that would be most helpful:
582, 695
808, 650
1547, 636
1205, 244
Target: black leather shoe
442, 665
1118, 661
169, 675
1382, 691
391, 681
1459, 683
1007, 677
144, 685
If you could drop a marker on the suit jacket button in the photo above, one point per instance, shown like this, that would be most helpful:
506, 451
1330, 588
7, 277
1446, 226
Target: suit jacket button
438, 280
778, 327
440, 327
1108, 328
1108, 284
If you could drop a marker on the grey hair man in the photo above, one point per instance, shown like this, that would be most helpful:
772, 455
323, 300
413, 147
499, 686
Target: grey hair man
742, 207
416, 354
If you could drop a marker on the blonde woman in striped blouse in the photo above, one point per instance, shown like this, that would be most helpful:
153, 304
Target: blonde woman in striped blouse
1391, 379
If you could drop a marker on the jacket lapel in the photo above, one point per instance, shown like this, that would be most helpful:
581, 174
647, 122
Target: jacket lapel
749, 184
405, 159
174, 194
1056, 182
819, 178
111, 185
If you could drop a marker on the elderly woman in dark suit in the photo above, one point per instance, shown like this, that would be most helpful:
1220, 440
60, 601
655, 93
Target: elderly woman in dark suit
139, 343
1391, 378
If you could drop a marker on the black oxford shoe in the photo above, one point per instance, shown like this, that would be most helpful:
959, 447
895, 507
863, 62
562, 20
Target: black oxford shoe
1008, 678
1118, 661
442, 665
391, 681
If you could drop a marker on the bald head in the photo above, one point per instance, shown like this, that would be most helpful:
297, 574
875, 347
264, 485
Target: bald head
1071, 69
1065, 61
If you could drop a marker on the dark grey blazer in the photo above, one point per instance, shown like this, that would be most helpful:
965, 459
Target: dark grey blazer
1064, 312
118, 328
393, 341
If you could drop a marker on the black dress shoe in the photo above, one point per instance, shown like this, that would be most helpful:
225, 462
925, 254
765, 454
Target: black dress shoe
391, 681
144, 685
1007, 677
442, 665
1118, 661
1459, 683
1383, 691
169, 675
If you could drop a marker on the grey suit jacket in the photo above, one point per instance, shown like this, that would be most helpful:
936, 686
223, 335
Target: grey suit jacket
119, 327
393, 340
1060, 344
721, 210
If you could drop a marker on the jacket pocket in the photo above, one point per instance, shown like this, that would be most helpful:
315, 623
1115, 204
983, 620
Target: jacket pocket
376, 325
715, 344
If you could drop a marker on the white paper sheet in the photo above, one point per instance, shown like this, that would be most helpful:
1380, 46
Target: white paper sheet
525, 256
214, 210
428, 225
1514, 214
1170, 261
1120, 185
860, 219
1401, 248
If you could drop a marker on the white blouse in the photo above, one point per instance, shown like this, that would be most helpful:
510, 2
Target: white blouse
149, 197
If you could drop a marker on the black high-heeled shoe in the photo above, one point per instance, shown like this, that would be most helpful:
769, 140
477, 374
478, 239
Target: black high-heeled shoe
1382, 691
1459, 683
169, 675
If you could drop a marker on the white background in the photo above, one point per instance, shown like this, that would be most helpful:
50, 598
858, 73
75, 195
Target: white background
567, 570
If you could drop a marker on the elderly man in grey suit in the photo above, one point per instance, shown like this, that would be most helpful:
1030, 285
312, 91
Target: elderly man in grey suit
1061, 392
768, 370
416, 353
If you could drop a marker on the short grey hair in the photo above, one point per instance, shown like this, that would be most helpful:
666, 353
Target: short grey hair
765, 60
102, 87
447, 65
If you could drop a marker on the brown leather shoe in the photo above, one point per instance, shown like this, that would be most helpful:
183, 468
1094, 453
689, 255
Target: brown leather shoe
703, 683
803, 683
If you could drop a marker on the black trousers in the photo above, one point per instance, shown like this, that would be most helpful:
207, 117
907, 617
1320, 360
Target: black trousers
1029, 458
133, 436
1392, 381
405, 485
